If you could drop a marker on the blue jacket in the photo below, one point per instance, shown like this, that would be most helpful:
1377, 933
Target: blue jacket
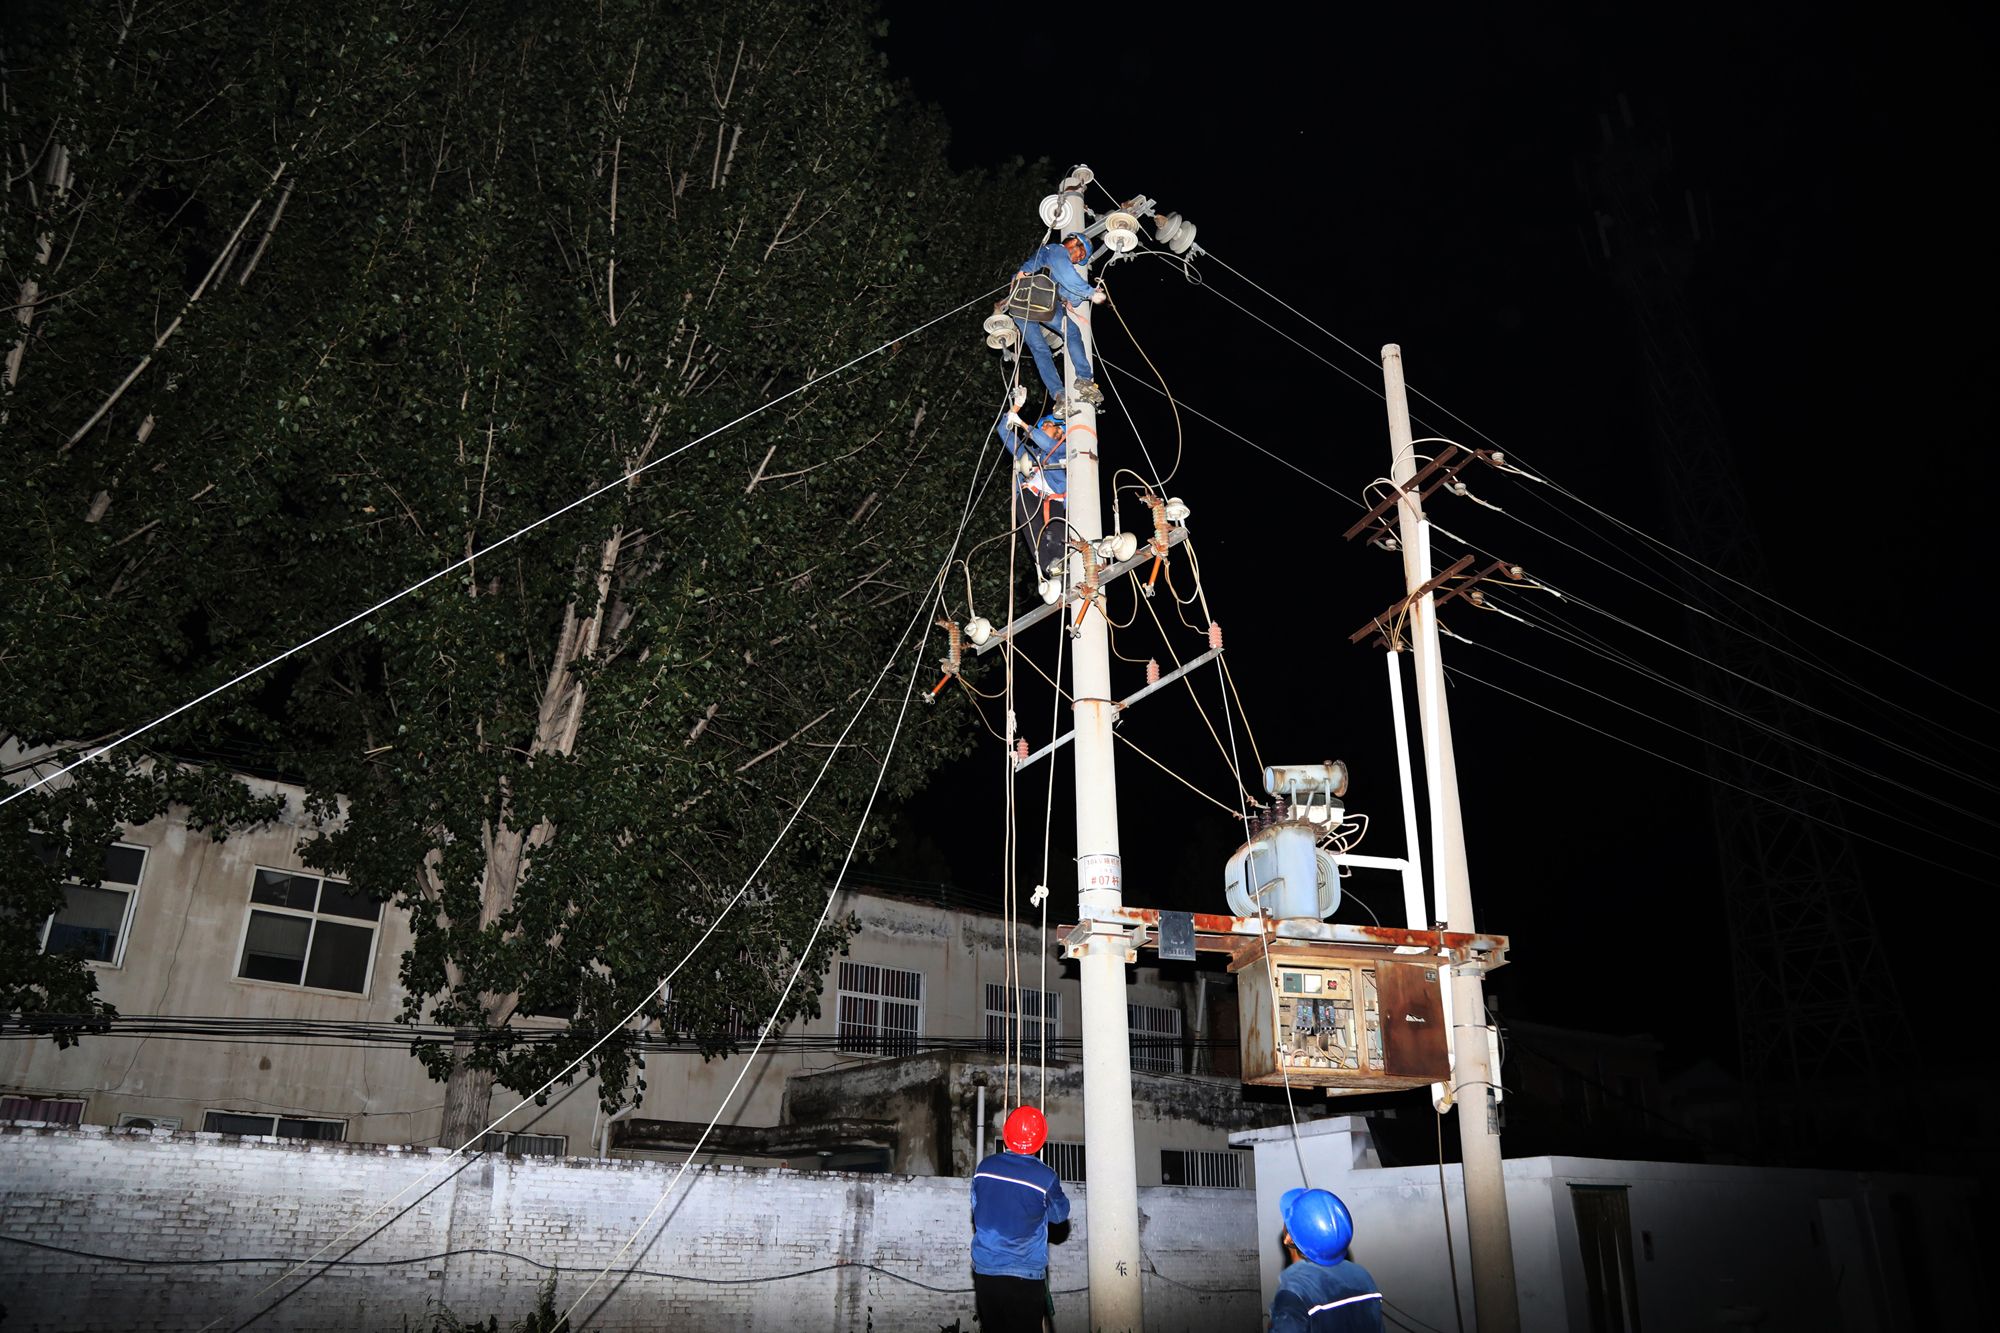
1326, 1298
1051, 455
1014, 1199
1055, 259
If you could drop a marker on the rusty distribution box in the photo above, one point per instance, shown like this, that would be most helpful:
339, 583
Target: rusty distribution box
1339, 1017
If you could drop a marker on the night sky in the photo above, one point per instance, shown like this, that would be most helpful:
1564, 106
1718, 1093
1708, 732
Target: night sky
1420, 176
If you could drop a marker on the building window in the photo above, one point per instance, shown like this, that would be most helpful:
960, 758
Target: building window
1031, 1015
308, 931
282, 1126
1206, 1170
1065, 1159
149, 1122
94, 918
524, 1145
1156, 1038
51, 1110
879, 1010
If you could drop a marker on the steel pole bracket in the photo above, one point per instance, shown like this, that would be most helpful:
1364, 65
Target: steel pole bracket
1133, 937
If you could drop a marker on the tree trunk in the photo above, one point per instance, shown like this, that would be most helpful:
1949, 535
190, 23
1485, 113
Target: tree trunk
468, 1098
468, 1092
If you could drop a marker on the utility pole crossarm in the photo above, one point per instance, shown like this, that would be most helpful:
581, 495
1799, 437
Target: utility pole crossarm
1000, 636
1375, 626
1426, 481
1125, 703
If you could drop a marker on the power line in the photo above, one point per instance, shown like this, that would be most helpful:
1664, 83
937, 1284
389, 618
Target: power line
838, 746
1701, 773
484, 551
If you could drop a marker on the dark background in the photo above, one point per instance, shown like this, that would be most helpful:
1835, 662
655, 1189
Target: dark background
1420, 176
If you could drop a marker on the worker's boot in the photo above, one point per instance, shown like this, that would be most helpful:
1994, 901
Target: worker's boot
1088, 391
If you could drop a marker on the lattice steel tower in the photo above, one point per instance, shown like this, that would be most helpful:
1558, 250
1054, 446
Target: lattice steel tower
1816, 1005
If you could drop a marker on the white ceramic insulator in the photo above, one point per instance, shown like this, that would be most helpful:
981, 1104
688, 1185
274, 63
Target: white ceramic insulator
1121, 233
1063, 212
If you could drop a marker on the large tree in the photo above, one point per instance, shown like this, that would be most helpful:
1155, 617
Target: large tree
314, 301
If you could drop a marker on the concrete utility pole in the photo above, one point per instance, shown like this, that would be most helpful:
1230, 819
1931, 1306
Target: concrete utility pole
1112, 1198
1494, 1305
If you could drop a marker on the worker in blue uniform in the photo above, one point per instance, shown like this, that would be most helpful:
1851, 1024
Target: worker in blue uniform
1015, 1198
1323, 1291
1061, 260
1041, 462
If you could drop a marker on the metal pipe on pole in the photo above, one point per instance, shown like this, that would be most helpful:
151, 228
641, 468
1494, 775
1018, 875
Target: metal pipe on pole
1112, 1198
1496, 1307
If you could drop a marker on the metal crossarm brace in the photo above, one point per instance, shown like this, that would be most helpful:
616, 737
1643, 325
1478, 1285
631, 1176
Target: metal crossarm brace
1421, 485
1125, 703
1375, 626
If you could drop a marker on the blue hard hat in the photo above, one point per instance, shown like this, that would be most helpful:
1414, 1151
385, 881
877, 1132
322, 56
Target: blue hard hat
1319, 1224
1062, 427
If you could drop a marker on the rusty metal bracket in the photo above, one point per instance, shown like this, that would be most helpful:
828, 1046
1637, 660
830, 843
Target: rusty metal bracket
1245, 937
1375, 626
1428, 478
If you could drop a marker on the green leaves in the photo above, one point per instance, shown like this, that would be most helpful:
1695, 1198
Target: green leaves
564, 760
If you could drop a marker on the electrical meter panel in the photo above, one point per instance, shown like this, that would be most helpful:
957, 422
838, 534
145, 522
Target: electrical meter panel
1338, 1017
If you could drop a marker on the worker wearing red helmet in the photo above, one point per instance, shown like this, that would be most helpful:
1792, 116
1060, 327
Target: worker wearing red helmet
1015, 1198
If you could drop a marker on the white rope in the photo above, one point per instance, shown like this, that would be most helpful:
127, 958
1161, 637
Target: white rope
484, 551
926, 611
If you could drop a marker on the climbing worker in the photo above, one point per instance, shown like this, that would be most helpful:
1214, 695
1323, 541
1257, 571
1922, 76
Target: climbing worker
1323, 1291
1059, 261
1041, 458
1015, 1198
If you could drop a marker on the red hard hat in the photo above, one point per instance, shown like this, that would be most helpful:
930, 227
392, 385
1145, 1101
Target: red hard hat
1025, 1131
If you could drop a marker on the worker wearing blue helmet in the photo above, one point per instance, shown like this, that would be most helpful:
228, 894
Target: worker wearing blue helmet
1061, 260
1323, 1291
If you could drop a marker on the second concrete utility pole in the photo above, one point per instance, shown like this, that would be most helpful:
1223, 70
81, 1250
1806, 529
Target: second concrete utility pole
1488, 1234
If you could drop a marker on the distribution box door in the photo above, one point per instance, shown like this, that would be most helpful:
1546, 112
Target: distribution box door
1413, 1035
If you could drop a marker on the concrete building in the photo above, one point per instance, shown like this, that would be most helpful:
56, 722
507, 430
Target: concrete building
1611, 1246
892, 1076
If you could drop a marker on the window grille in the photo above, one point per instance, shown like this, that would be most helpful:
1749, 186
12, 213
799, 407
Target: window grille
1065, 1159
1156, 1038
1203, 1169
1036, 1014
879, 1010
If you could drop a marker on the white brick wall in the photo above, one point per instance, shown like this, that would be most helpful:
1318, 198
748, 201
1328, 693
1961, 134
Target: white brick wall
720, 1254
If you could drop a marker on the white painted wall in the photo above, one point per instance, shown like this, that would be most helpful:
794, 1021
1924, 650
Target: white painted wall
892, 1250
1730, 1246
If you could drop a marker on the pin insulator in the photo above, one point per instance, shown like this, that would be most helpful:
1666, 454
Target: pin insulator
1214, 635
1020, 750
1152, 671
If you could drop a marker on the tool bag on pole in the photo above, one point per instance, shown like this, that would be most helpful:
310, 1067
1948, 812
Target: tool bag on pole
1032, 297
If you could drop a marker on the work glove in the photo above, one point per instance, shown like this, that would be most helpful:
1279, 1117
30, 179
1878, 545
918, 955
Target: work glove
1097, 294
1014, 419
1020, 395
